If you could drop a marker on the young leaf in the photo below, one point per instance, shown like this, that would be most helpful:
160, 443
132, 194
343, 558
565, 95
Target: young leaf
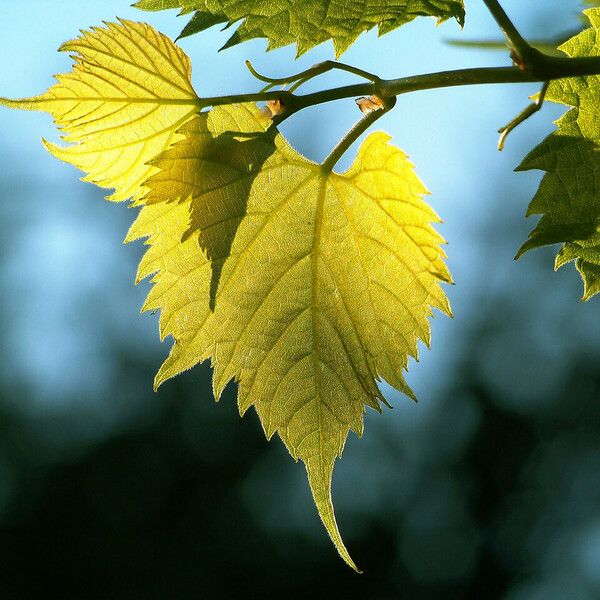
128, 93
326, 280
568, 195
306, 23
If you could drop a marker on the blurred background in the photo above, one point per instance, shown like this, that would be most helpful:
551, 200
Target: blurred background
489, 487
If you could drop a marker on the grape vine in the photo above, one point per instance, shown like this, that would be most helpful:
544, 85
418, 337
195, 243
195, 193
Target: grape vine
306, 286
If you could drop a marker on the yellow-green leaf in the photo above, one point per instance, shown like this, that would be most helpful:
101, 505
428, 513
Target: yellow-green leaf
326, 281
121, 105
304, 286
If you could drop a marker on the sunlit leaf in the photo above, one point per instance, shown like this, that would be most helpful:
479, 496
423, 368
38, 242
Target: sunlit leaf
304, 286
128, 93
326, 281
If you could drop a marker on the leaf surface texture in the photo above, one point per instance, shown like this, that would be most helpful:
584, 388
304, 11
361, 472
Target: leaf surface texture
306, 23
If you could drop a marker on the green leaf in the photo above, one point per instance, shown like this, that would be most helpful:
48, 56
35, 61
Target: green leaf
128, 93
569, 195
304, 286
306, 23
327, 281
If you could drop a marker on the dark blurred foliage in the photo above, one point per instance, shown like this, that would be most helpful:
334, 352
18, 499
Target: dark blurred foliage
502, 502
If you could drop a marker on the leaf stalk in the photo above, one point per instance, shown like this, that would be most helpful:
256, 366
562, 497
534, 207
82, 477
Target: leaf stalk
354, 133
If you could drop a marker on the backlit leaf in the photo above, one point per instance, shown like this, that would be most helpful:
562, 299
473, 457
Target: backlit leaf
304, 286
128, 93
306, 23
326, 281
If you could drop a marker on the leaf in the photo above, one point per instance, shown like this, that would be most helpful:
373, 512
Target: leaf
304, 286
569, 195
327, 280
306, 23
128, 93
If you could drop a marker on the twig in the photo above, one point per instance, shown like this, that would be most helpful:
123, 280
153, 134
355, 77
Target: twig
534, 107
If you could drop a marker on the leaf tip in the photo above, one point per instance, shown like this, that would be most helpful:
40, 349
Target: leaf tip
319, 478
234, 40
165, 372
51, 147
56, 151
384, 401
409, 392
524, 248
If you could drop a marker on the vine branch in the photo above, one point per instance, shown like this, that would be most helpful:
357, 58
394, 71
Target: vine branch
544, 67
519, 47
530, 65
384, 88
